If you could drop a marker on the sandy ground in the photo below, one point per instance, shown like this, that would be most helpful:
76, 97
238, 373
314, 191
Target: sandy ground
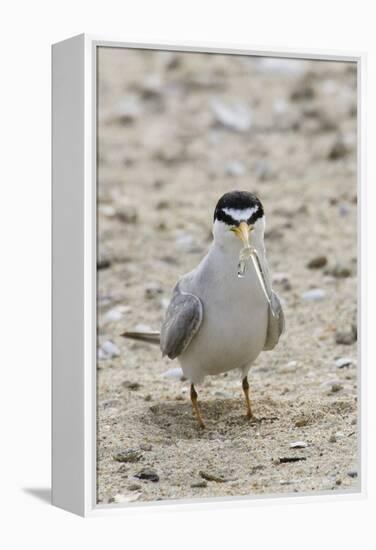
175, 132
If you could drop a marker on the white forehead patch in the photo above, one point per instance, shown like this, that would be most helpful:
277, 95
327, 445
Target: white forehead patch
240, 214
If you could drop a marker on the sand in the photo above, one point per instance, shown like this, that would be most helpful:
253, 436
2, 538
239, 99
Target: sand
175, 132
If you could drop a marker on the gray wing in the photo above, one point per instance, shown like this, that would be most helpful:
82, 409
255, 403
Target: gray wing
182, 321
276, 322
276, 318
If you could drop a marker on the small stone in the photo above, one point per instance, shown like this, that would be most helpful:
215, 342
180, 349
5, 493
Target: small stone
336, 388
301, 422
339, 271
314, 295
317, 262
200, 484
235, 168
133, 386
104, 259
212, 477
113, 315
338, 482
346, 337
338, 149
149, 475
108, 350
134, 487
234, 116
288, 459
332, 439
153, 290
151, 87
298, 445
352, 473
303, 91
163, 205
128, 109
127, 455
127, 214
343, 362
282, 280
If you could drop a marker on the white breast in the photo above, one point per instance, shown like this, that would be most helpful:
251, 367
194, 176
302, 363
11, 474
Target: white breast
234, 325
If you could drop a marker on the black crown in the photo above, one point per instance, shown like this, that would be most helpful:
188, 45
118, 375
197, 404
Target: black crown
238, 200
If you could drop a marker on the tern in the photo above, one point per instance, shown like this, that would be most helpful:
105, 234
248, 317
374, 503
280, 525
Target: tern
224, 313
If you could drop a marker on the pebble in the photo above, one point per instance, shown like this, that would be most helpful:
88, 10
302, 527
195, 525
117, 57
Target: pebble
200, 484
174, 374
352, 473
282, 280
301, 422
339, 271
149, 475
317, 262
134, 487
287, 459
127, 455
332, 439
336, 388
342, 362
314, 295
303, 91
298, 445
212, 477
151, 87
235, 168
113, 315
133, 386
104, 259
338, 150
153, 290
346, 337
108, 350
127, 214
233, 116
128, 109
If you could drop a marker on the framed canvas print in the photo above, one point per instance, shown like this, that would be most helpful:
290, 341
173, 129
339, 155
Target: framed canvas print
207, 281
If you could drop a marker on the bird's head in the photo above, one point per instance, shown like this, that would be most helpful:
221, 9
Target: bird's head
239, 221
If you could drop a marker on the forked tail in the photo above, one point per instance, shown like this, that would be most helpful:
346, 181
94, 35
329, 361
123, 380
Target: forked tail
152, 336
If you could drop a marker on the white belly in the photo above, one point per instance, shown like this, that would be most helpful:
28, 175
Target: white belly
234, 324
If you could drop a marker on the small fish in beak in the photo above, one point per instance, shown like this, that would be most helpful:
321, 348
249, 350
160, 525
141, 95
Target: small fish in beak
247, 253
242, 232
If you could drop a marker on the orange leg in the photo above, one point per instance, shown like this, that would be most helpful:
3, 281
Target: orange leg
247, 400
196, 407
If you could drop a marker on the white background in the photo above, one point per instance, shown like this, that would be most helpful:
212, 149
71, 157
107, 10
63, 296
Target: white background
27, 30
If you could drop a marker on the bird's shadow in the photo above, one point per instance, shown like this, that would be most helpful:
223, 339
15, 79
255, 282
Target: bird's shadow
41, 493
220, 415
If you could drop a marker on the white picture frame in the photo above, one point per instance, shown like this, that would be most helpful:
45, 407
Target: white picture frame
74, 272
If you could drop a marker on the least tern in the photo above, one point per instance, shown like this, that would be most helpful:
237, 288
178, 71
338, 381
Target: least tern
223, 313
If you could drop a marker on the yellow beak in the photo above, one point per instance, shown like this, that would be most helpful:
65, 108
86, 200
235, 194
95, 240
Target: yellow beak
242, 231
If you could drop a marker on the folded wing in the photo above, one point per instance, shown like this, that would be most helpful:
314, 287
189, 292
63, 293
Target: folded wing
182, 321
